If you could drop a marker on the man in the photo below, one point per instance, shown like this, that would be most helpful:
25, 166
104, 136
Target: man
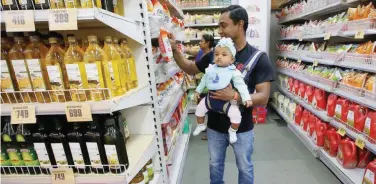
233, 23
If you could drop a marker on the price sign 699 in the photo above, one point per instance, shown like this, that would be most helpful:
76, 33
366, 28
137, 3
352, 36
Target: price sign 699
78, 112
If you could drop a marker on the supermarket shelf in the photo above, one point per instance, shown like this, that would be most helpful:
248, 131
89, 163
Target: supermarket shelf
371, 147
96, 17
204, 8
202, 25
305, 58
347, 176
172, 108
358, 99
140, 149
170, 74
135, 97
158, 179
192, 109
298, 132
319, 113
179, 160
288, 3
331, 8
178, 133
198, 39
47, 179
347, 34
305, 80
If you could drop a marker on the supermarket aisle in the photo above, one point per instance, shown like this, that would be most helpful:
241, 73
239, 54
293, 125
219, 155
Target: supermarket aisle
278, 152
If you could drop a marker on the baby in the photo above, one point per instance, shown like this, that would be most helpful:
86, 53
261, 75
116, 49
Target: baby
218, 76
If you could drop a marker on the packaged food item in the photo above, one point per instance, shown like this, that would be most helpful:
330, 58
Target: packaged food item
165, 46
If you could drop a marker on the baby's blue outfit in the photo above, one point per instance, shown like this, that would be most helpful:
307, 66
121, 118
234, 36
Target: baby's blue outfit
217, 78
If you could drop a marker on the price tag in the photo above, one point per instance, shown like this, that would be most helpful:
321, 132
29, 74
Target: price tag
78, 112
315, 63
360, 142
327, 36
23, 114
300, 38
285, 58
19, 20
299, 60
62, 176
359, 35
62, 19
187, 40
341, 132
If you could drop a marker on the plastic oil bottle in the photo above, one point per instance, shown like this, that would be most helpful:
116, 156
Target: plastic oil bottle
72, 3
131, 64
21, 74
56, 72
25, 4
5, 141
93, 59
60, 146
123, 67
13, 151
43, 147
89, 3
57, 4
74, 63
25, 142
118, 7
41, 4
6, 80
78, 149
111, 67
35, 54
9, 5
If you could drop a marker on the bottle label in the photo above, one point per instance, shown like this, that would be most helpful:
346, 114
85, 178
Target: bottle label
7, 2
22, 2
114, 2
29, 156
367, 126
369, 177
59, 153
74, 76
112, 157
77, 154
92, 73
55, 78
150, 170
338, 111
6, 81
350, 118
21, 75
5, 161
36, 74
15, 157
40, 1
42, 153
95, 159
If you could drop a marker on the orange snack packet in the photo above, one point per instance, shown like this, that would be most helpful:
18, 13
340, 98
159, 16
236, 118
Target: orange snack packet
165, 46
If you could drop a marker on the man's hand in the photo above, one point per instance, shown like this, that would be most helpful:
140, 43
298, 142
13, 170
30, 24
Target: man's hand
248, 103
225, 94
172, 41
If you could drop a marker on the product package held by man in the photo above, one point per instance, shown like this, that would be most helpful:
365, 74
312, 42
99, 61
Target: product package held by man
258, 74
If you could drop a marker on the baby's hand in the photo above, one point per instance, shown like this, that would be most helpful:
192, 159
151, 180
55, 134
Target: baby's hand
248, 103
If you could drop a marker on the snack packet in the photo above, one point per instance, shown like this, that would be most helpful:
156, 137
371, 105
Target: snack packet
165, 46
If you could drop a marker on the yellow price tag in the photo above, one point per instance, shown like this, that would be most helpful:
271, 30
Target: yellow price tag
78, 112
360, 142
299, 60
359, 35
23, 114
341, 132
62, 19
327, 36
19, 20
315, 63
62, 176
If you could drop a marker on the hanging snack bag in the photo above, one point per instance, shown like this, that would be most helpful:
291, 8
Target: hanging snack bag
165, 46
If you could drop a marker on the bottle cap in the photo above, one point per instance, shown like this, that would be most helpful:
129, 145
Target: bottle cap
17, 38
115, 40
92, 38
124, 40
52, 40
72, 39
108, 39
34, 38
110, 121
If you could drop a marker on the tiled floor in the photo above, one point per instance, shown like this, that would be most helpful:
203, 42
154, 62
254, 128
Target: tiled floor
279, 157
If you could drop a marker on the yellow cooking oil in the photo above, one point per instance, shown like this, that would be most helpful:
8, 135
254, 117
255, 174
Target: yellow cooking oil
118, 7
93, 58
6, 77
72, 3
111, 67
74, 64
89, 3
57, 78
131, 64
35, 55
21, 74
123, 67
57, 4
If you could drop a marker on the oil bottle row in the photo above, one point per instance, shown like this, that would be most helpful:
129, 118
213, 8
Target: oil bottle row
91, 147
77, 73
116, 6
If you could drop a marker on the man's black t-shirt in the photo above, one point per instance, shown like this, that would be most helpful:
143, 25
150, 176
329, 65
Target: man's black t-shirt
262, 72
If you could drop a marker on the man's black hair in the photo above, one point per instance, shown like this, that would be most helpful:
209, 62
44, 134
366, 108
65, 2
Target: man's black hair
236, 14
209, 38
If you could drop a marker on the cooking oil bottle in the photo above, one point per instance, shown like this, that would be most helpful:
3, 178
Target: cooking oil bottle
131, 64
35, 55
56, 72
6, 71
57, 4
21, 74
85, 44
111, 67
72, 3
123, 67
89, 3
93, 59
118, 7
74, 63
